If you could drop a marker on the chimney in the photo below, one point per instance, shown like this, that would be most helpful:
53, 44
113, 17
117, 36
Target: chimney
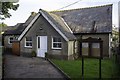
33, 13
94, 27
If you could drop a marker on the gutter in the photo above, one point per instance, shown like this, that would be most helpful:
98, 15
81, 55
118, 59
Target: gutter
92, 33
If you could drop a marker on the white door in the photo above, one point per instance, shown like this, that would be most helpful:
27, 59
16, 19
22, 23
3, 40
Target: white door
41, 46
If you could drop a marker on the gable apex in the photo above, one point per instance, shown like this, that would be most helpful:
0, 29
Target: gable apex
54, 26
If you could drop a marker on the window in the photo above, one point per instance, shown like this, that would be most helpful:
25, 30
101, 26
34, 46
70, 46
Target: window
10, 40
38, 42
56, 43
28, 42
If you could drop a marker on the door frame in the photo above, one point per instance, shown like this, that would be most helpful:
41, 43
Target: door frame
37, 46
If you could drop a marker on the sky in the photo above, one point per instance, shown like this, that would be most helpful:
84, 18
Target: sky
28, 6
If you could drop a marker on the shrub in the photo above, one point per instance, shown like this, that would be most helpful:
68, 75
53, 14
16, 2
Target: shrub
33, 53
75, 55
46, 55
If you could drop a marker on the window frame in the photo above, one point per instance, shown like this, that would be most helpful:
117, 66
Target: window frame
29, 42
56, 43
9, 41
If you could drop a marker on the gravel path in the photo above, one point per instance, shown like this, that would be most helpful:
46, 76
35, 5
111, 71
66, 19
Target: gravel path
22, 67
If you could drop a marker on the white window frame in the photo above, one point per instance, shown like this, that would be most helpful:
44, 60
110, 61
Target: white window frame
9, 41
28, 41
56, 42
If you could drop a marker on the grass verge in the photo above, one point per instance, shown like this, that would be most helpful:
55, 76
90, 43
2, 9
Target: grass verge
91, 68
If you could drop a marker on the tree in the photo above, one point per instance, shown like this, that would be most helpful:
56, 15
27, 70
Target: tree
6, 7
115, 39
3, 25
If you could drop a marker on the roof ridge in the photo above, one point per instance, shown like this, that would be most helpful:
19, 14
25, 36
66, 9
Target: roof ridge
82, 8
60, 18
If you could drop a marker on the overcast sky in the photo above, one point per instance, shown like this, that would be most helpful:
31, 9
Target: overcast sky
28, 6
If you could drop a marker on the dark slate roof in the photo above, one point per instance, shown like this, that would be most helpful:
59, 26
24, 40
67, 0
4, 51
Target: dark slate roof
86, 20
18, 28
60, 25
7, 28
31, 17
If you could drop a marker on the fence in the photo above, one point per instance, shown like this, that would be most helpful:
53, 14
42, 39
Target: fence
16, 48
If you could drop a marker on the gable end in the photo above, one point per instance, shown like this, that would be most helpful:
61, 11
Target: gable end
54, 26
27, 28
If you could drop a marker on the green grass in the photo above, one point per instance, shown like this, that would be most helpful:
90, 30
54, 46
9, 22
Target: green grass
91, 68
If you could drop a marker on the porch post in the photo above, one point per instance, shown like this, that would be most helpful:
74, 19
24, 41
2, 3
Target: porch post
90, 49
82, 68
101, 56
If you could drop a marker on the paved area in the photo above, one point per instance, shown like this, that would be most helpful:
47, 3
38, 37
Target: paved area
23, 67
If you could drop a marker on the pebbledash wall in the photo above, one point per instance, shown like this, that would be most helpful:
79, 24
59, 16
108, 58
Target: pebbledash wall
7, 43
47, 30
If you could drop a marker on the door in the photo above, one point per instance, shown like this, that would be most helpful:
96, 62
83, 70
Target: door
41, 46
16, 48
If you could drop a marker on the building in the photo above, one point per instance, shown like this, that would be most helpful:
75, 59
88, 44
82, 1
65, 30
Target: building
58, 32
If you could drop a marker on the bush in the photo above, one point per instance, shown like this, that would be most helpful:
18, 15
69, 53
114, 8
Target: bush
75, 55
46, 55
33, 54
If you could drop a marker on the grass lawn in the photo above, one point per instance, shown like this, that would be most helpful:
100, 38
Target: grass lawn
91, 68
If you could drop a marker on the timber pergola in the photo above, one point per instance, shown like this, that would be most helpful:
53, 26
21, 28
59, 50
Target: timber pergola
90, 41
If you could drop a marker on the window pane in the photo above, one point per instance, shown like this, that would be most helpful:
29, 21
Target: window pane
95, 45
28, 44
85, 45
58, 40
54, 45
54, 39
85, 49
11, 39
59, 45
